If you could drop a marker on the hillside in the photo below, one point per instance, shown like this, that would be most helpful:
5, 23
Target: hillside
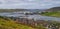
53, 9
11, 10
9, 24
55, 12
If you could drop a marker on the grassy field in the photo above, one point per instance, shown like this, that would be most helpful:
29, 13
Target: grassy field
9, 24
54, 14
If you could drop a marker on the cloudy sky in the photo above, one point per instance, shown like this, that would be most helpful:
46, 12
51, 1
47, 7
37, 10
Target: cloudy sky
29, 4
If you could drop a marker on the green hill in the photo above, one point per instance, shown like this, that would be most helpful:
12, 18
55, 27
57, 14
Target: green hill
55, 11
54, 14
10, 24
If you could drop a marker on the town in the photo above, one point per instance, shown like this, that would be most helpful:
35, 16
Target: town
34, 23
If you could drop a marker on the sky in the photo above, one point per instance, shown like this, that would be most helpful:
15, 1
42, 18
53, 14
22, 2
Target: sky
28, 4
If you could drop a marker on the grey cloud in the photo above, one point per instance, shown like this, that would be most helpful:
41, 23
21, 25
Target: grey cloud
28, 4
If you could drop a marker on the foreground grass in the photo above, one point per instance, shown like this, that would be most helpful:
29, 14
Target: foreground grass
9, 24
